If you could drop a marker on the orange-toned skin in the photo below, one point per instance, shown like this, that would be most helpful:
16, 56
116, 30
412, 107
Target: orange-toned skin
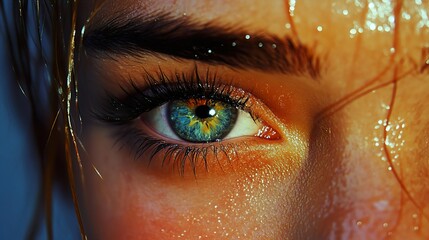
339, 171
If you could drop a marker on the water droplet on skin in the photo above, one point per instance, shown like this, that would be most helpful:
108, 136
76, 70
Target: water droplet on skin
359, 223
247, 36
209, 51
260, 44
385, 225
416, 228
287, 25
275, 46
319, 28
234, 44
372, 26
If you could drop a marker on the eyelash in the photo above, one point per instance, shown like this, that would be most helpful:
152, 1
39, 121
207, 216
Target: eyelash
122, 113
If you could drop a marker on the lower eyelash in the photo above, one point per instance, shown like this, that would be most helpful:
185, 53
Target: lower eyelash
174, 154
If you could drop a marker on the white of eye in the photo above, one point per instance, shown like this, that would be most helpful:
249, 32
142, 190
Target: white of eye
244, 126
157, 120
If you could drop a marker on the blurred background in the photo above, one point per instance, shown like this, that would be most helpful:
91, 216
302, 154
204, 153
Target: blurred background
19, 164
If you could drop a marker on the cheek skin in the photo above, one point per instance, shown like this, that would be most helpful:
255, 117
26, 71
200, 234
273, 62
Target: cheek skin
353, 192
241, 200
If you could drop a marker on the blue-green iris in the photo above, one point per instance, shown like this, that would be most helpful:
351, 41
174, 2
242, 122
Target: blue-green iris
201, 120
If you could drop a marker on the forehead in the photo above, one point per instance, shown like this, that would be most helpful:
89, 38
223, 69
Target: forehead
280, 15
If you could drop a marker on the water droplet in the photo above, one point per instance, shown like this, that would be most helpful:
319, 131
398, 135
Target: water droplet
234, 44
385, 225
247, 36
260, 44
319, 28
275, 46
345, 12
359, 223
209, 51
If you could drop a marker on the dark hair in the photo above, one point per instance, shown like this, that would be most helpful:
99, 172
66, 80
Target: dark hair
41, 37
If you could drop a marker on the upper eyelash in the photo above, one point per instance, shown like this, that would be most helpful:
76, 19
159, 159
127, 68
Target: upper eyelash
163, 88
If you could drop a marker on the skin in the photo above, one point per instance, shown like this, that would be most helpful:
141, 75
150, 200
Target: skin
330, 174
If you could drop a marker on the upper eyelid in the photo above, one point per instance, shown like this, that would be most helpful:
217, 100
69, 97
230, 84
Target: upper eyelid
161, 89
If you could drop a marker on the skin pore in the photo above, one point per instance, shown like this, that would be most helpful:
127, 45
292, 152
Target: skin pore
351, 158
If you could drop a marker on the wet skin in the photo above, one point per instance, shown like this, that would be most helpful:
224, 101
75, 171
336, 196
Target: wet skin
351, 160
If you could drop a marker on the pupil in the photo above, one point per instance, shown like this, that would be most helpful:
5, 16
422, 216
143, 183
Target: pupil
204, 111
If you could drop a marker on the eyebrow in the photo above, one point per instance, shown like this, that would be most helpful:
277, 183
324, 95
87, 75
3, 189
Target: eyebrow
211, 43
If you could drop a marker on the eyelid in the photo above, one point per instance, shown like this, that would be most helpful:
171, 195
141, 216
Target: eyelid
161, 89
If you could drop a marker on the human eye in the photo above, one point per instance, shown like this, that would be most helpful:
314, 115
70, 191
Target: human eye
200, 120
187, 119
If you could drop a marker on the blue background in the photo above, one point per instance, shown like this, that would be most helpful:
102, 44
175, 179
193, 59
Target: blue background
19, 164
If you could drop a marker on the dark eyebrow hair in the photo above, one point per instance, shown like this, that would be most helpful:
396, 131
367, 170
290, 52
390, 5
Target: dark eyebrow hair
211, 43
